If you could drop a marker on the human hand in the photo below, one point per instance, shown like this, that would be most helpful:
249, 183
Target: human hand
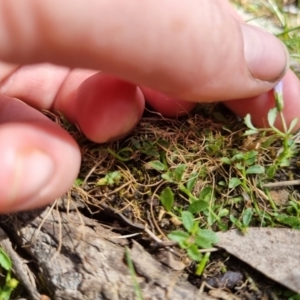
196, 51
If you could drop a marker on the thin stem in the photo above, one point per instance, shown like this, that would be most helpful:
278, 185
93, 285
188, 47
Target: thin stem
202, 264
283, 122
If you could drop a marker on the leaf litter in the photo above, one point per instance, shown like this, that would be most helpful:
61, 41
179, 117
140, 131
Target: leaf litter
272, 251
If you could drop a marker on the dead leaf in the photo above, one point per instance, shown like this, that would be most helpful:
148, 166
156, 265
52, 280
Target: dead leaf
275, 252
280, 197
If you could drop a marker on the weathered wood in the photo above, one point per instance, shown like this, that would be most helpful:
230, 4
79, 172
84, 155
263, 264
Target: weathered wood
79, 259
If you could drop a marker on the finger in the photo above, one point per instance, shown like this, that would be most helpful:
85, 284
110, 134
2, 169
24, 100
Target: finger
6, 70
105, 108
43, 86
195, 50
108, 108
33, 170
37, 85
259, 106
166, 105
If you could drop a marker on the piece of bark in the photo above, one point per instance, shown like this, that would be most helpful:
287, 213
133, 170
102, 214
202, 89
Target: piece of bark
79, 259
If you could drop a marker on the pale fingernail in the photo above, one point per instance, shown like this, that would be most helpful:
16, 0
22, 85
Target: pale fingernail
33, 171
266, 56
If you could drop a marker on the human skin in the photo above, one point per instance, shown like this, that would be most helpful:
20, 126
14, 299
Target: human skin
51, 52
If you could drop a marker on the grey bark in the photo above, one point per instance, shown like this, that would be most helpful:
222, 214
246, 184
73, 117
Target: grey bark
77, 258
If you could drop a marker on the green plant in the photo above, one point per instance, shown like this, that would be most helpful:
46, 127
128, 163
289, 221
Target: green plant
110, 178
194, 238
246, 164
136, 286
10, 283
246, 219
288, 148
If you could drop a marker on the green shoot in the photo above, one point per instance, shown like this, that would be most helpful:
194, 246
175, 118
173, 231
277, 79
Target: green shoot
194, 238
10, 283
288, 144
136, 286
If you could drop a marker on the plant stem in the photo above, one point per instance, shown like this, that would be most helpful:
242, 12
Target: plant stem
283, 122
202, 264
133, 275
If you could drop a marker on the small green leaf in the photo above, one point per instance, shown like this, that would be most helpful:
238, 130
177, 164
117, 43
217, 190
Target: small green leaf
238, 157
285, 162
250, 157
6, 293
247, 216
187, 220
157, 165
292, 125
5, 261
234, 182
113, 177
292, 221
236, 222
136, 143
239, 166
206, 194
272, 114
223, 212
168, 176
206, 238
78, 182
248, 122
226, 160
211, 218
250, 132
102, 181
163, 143
271, 171
192, 181
110, 178
197, 206
178, 236
167, 198
194, 253
256, 169
179, 171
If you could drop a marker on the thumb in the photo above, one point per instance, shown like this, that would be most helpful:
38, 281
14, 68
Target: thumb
195, 50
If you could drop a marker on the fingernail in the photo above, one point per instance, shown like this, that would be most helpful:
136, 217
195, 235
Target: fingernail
266, 56
33, 170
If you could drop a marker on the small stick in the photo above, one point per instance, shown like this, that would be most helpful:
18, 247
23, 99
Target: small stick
281, 183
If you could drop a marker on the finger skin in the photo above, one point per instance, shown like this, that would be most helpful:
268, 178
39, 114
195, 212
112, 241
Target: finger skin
167, 105
108, 108
37, 85
23, 132
67, 89
193, 50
